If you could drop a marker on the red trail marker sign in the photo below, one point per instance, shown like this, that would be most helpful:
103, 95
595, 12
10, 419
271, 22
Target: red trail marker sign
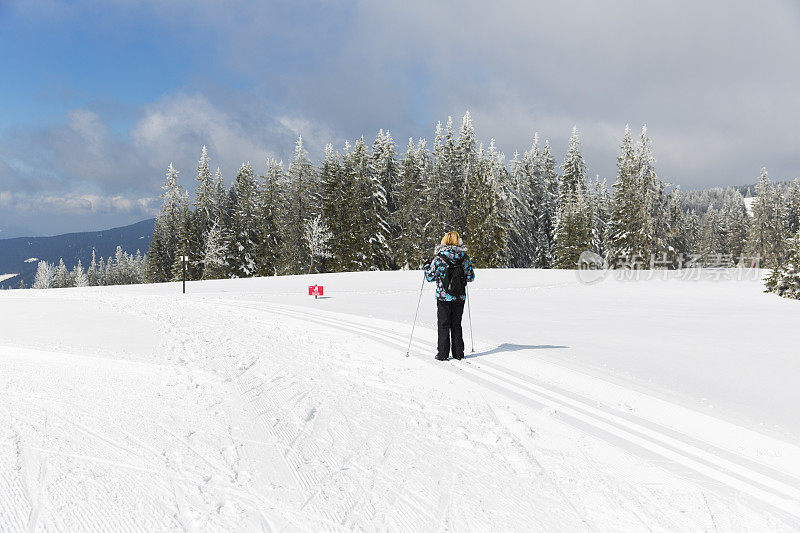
315, 291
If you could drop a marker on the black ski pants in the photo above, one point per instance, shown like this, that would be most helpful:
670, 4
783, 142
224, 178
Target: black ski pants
449, 321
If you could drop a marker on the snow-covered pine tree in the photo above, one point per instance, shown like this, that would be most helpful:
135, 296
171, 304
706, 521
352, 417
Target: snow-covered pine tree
91, 272
302, 204
317, 237
573, 234
626, 222
158, 252
734, 225
215, 255
411, 217
385, 169
573, 178
101, 271
767, 232
244, 245
656, 203
219, 196
206, 195
486, 228
510, 213
382, 185
600, 204
78, 276
712, 241
110, 275
481, 201
526, 172
440, 189
227, 204
115, 268
684, 231
183, 247
793, 207
640, 228
270, 205
537, 189
785, 279
44, 276
523, 212
343, 208
545, 167
167, 231
139, 267
692, 235
573, 230
505, 211
463, 158
359, 196
333, 188
123, 264
61, 277
205, 212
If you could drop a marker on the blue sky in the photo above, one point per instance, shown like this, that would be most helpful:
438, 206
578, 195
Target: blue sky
97, 98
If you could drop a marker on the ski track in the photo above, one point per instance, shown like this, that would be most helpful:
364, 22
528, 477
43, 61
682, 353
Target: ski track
330, 471
221, 430
703, 463
88, 462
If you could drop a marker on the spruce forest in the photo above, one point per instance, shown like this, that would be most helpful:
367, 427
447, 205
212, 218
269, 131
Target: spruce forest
370, 208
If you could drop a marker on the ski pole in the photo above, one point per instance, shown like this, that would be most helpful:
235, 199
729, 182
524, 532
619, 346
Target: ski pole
415, 315
469, 313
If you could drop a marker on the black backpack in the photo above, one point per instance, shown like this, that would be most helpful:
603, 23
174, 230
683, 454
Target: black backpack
455, 279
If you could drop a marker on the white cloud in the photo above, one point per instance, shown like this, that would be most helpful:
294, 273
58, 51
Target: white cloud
175, 128
82, 155
315, 135
79, 204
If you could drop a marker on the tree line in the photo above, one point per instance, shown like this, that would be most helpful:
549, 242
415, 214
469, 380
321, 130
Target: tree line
381, 211
367, 207
121, 269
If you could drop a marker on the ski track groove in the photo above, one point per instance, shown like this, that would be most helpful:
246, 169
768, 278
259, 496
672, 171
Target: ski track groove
346, 508
545, 473
126, 470
665, 448
276, 434
14, 486
751, 474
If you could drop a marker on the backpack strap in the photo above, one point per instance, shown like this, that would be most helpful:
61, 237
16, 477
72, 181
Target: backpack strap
446, 259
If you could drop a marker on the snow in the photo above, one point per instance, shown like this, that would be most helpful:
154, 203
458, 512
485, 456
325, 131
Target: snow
748, 204
247, 404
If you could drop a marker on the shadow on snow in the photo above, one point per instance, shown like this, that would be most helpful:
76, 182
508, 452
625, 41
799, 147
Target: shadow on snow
506, 347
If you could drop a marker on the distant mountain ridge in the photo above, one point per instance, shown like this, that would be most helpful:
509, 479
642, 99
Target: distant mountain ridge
16, 253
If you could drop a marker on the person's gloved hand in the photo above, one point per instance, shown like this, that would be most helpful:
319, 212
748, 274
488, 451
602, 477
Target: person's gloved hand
426, 264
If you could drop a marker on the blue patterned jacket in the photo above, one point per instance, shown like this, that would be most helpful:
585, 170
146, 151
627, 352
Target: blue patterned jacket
438, 268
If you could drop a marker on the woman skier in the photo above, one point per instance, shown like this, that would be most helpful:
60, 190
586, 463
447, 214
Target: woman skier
451, 269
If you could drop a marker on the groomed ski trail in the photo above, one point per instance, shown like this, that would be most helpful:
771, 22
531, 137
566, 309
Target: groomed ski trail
714, 468
252, 415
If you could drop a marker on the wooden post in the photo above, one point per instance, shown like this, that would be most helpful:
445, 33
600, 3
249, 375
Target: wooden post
184, 260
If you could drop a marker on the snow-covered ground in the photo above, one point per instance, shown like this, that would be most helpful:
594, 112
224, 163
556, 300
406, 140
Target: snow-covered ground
246, 404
